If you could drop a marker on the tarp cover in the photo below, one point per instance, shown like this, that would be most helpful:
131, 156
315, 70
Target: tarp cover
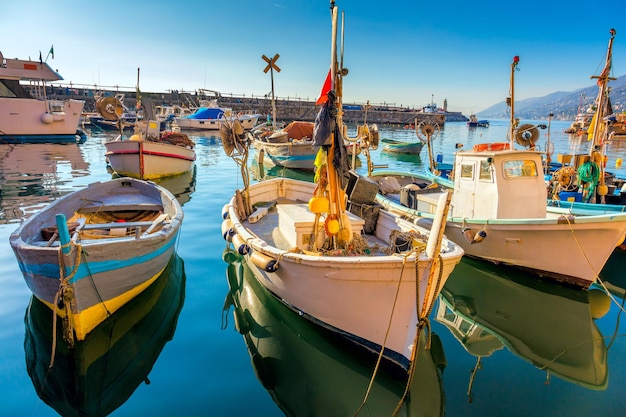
208, 113
299, 130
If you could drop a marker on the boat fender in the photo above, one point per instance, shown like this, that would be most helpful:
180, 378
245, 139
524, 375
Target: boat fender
47, 118
241, 246
227, 230
480, 236
225, 213
264, 262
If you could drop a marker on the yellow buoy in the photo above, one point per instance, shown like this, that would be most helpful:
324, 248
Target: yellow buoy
319, 205
599, 303
618, 163
332, 227
135, 137
345, 235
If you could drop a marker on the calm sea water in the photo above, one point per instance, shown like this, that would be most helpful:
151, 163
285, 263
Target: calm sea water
207, 341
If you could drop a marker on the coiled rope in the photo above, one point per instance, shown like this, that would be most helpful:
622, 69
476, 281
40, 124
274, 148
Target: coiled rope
589, 173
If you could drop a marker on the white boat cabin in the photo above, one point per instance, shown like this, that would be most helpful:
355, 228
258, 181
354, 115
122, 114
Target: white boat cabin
504, 184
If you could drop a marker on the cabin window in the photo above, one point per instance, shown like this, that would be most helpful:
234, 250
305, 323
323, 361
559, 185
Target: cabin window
485, 170
467, 171
57, 107
520, 168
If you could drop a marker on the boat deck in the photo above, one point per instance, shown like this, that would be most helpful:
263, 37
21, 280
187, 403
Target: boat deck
268, 228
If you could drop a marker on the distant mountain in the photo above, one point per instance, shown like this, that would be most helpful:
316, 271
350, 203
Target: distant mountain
563, 105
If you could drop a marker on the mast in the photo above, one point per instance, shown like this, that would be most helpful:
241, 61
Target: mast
511, 101
598, 125
598, 129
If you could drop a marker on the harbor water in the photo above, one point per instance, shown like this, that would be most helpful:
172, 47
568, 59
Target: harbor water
206, 339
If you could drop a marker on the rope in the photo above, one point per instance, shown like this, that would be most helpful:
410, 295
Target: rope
597, 276
65, 291
424, 323
589, 173
382, 348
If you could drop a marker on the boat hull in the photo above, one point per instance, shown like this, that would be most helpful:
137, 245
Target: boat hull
29, 120
291, 355
148, 160
102, 273
297, 155
124, 349
247, 121
368, 299
573, 251
394, 146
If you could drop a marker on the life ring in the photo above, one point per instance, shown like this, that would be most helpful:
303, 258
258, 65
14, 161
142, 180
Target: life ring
495, 146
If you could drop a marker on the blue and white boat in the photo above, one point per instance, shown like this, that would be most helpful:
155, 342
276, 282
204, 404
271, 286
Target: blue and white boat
88, 253
209, 116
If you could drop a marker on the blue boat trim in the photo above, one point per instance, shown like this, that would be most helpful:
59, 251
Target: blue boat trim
51, 271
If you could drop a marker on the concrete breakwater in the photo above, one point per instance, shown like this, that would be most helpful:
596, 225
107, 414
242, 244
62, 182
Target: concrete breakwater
287, 109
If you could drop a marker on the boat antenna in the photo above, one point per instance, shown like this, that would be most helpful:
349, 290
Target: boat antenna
510, 101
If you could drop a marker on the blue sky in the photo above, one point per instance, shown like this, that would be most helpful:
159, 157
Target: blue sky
403, 52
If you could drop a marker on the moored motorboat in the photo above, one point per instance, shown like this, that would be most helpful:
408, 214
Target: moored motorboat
499, 212
89, 252
29, 116
475, 122
210, 116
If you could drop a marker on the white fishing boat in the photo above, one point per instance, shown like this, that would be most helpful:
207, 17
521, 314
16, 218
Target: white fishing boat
583, 178
28, 115
151, 152
89, 252
289, 147
370, 276
499, 212
290, 355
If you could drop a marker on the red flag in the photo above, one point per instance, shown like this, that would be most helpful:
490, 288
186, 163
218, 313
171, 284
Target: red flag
323, 98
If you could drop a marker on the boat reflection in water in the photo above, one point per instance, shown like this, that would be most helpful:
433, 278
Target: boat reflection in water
33, 175
309, 371
182, 185
487, 307
101, 372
